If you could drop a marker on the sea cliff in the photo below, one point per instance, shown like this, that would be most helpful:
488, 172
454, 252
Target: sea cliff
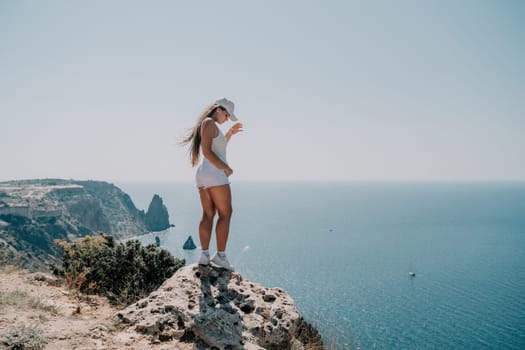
33, 213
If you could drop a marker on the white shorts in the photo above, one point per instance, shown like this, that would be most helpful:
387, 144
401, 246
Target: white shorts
208, 175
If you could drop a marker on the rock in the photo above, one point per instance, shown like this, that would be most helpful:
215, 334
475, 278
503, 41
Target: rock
170, 334
157, 218
189, 244
269, 298
99, 331
42, 277
220, 309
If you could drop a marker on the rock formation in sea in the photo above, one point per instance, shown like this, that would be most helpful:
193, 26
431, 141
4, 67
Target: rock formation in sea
189, 244
157, 218
215, 308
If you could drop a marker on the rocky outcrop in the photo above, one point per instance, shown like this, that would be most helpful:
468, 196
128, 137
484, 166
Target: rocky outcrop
189, 244
220, 309
157, 218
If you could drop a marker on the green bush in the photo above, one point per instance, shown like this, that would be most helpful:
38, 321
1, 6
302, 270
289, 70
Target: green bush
122, 272
7, 257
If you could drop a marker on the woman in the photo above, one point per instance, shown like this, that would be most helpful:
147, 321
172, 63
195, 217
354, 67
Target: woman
212, 177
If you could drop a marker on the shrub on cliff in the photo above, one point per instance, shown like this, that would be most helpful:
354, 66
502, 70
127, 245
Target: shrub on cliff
122, 272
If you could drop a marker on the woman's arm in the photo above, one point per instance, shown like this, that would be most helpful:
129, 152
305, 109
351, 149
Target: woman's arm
237, 127
209, 131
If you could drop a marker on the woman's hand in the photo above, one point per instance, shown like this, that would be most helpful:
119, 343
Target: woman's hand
228, 171
237, 127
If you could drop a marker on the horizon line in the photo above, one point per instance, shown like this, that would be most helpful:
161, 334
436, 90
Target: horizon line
110, 180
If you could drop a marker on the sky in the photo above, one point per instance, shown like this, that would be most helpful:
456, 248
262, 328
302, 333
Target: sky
326, 90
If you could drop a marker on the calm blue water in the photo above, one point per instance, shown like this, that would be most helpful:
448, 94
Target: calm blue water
343, 251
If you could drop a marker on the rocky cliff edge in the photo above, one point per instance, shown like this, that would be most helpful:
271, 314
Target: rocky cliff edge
39, 311
211, 307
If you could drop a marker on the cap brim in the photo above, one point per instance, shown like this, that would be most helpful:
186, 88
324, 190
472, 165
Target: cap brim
233, 117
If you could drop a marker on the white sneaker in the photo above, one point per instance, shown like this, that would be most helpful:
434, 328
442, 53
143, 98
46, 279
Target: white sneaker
222, 262
204, 259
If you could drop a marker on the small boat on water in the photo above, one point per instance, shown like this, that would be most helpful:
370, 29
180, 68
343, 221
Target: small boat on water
412, 274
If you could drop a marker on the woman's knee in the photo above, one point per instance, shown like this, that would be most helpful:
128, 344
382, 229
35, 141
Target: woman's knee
208, 216
226, 213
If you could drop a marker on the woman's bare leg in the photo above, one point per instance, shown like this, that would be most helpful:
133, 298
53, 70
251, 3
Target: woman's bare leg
208, 213
222, 200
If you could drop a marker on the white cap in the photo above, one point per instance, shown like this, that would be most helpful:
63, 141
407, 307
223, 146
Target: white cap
228, 105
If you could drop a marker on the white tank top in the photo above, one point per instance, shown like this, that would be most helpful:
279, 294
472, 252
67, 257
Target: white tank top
218, 146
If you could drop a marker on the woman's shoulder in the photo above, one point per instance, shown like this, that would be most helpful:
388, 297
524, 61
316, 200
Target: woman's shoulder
208, 120
208, 123
208, 126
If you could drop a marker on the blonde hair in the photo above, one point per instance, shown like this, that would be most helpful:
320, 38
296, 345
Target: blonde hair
194, 135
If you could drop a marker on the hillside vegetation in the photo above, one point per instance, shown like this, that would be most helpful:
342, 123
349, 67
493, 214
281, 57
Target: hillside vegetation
122, 272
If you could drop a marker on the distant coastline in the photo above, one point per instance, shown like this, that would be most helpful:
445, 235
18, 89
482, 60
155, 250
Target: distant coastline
33, 213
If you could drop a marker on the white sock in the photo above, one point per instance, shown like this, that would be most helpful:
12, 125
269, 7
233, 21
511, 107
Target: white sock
206, 252
221, 254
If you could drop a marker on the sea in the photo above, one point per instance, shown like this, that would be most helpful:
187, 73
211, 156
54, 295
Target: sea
344, 251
